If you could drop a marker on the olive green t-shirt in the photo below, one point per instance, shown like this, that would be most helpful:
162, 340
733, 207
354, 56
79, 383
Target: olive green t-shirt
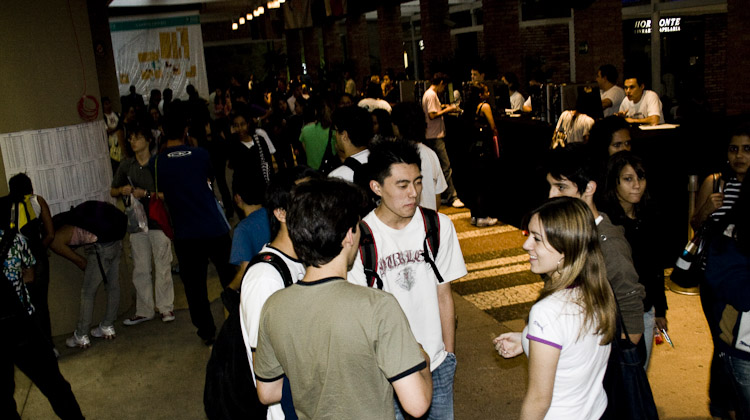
341, 346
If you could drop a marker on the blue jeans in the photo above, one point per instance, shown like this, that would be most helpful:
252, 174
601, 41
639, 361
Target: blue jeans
441, 407
109, 253
649, 323
739, 375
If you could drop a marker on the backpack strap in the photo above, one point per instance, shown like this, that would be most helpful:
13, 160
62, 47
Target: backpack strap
431, 239
277, 262
352, 164
368, 253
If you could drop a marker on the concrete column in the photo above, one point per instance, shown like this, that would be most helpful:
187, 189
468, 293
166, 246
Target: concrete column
358, 47
502, 37
311, 42
598, 29
737, 83
435, 33
391, 38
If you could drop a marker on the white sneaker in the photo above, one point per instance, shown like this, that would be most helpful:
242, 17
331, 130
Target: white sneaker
76, 341
486, 221
106, 333
167, 316
457, 203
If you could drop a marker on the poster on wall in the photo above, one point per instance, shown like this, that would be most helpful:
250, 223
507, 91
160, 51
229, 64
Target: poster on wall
66, 165
159, 52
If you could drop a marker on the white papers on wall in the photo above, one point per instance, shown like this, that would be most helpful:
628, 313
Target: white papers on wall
67, 165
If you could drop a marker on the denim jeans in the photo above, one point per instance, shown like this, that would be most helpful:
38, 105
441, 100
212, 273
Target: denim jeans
438, 146
160, 291
109, 253
441, 407
739, 375
649, 323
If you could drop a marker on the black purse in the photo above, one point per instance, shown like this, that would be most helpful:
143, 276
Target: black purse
628, 390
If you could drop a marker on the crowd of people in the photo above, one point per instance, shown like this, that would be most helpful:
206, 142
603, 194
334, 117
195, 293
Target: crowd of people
343, 189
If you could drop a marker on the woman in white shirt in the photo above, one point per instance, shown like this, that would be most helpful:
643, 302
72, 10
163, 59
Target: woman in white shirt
572, 322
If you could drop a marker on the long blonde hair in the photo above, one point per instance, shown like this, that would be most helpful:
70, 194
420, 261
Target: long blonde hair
570, 229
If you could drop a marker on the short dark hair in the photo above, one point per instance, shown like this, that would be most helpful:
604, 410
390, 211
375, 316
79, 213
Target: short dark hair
279, 191
356, 122
409, 118
249, 192
609, 72
175, 122
19, 185
386, 152
320, 214
374, 90
512, 80
438, 78
601, 134
572, 163
385, 126
639, 80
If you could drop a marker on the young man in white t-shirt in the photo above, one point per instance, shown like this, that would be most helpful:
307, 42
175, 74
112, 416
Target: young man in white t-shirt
611, 94
353, 128
262, 280
434, 136
398, 230
640, 106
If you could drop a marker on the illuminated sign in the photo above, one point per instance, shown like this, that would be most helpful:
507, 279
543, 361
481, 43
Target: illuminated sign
643, 26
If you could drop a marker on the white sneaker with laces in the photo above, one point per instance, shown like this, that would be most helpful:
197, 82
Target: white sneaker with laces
76, 341
106, 333
486, 221
457, 203
167, 316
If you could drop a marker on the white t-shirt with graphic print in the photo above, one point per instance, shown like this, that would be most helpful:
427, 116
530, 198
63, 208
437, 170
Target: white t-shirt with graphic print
408, 277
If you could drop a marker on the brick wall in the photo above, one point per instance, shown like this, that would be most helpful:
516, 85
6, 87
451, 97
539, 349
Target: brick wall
546, 46
435, 33
333, 51
600, 26
715, 63
738, 42
358, 47
391, 38
311, 43
502, 37
293, 52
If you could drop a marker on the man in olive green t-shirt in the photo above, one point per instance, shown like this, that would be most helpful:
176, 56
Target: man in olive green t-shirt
344, 348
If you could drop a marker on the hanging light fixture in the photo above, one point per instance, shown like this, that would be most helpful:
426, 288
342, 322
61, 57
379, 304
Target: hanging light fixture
256, 13
249, 16
242, 20
261, 10
234, 26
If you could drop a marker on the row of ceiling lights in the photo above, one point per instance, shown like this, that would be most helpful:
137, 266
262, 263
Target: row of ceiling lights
257, 12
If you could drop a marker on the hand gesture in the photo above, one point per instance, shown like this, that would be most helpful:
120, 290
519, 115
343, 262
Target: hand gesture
508, 345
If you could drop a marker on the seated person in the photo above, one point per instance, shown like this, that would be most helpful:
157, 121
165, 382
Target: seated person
640, 106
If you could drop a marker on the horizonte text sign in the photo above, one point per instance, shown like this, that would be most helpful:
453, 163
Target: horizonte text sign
643, 26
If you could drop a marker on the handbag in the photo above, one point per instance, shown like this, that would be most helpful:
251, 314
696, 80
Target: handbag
157, 210
629, 394
689, 270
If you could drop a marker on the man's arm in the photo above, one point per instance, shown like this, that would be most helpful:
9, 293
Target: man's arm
650, 120
447, 316
415, 390
445, 110
269, 392
606, 103
60, 246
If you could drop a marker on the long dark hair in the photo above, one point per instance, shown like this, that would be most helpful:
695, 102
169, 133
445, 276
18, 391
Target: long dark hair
610, 200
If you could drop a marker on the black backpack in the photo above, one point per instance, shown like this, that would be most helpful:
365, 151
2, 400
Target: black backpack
368, 250
229, 392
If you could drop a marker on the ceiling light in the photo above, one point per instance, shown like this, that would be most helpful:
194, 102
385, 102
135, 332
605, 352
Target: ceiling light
261, 10
242, 20
249, 16
234, 26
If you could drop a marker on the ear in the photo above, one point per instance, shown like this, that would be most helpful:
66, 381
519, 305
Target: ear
376, 187
590, 188
348, 239
280, 215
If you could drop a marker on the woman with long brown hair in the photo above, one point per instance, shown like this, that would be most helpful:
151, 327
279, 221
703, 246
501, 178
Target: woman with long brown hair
570, 327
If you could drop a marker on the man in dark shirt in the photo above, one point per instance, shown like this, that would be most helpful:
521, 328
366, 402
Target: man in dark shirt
183, 174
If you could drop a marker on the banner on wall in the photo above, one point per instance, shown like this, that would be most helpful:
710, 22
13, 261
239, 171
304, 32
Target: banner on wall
159, 52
